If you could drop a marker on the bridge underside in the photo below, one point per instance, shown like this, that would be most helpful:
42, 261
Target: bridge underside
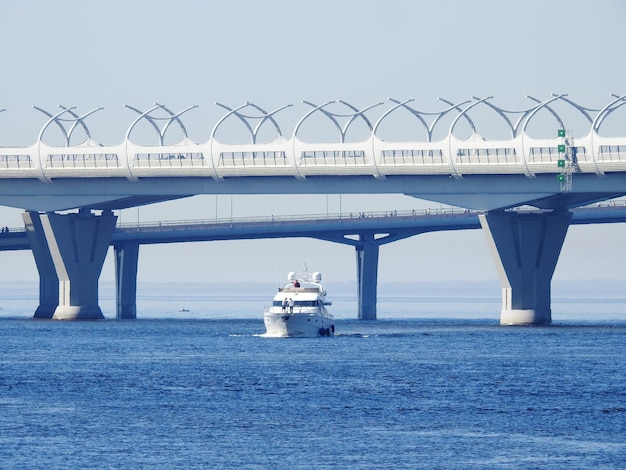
69, 251
489, 202
484, 192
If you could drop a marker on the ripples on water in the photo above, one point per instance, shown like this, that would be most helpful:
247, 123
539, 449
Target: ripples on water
213, 393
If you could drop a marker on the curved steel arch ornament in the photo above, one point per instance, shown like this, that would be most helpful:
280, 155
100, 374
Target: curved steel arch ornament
152, 120
393, 108
56, 118
265, 116
80, 120
583, 110
504, 114
333, 116
540, 105
175, 117
608, 109
303, 118
547, 106
254, 117
419, 114
451, 131
463, 113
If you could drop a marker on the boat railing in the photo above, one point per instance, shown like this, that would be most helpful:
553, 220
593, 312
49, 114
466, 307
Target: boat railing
298, 289
296, 309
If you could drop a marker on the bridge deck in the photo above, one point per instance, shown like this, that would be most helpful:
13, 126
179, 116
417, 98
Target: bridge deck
522, 155
407, 223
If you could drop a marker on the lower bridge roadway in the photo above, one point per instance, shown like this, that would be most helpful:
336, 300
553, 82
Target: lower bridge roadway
366, 232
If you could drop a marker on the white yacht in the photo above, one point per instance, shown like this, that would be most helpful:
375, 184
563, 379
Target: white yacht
299, 308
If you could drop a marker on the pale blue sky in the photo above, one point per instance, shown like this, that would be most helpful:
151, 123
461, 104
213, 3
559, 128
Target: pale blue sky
188, 52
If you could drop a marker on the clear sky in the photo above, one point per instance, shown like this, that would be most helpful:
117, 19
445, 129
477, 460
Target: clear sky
187, 52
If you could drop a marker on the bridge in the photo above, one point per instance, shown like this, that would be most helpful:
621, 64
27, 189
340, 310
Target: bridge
553, 175
359, 230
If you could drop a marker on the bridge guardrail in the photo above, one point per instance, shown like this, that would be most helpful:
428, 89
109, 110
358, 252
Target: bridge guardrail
410, 158
181, 224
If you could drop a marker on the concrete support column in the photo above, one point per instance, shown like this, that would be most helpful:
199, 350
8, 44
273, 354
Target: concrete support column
48, 279
367, 276
126, 260
526, 248
77, 244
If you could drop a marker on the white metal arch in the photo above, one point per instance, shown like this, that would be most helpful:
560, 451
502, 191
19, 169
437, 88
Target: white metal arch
303, 118
526, 119
52, 119
419, 114
333, 116
582, 109
452, 156
502, 113
549, 108
245, 119
216, 175
175, 117
67, 134
608, 109
152, 120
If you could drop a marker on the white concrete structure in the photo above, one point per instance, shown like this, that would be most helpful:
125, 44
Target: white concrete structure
552, 174
521, 154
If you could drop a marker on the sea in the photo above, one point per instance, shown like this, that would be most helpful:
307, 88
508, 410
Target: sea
434, 383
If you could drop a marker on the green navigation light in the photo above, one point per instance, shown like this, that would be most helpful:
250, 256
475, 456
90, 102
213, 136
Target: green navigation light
561, 132
561, 163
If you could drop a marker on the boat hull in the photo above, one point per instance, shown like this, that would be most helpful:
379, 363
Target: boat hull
281, 325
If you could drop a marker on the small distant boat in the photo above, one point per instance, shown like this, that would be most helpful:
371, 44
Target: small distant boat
299, 308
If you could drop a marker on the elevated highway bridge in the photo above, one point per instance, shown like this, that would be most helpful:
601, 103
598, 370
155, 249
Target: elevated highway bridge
552, 175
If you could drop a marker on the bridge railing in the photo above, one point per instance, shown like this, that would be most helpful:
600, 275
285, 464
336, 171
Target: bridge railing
82, 160
337, 216
169, 160
373, 157
15, 162
294, 218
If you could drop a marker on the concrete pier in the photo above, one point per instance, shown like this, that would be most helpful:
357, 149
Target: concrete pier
48, 279
525, 248
126, 262
367, 275
77, 245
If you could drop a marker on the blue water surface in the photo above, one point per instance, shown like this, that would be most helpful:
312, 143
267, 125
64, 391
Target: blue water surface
177, 392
